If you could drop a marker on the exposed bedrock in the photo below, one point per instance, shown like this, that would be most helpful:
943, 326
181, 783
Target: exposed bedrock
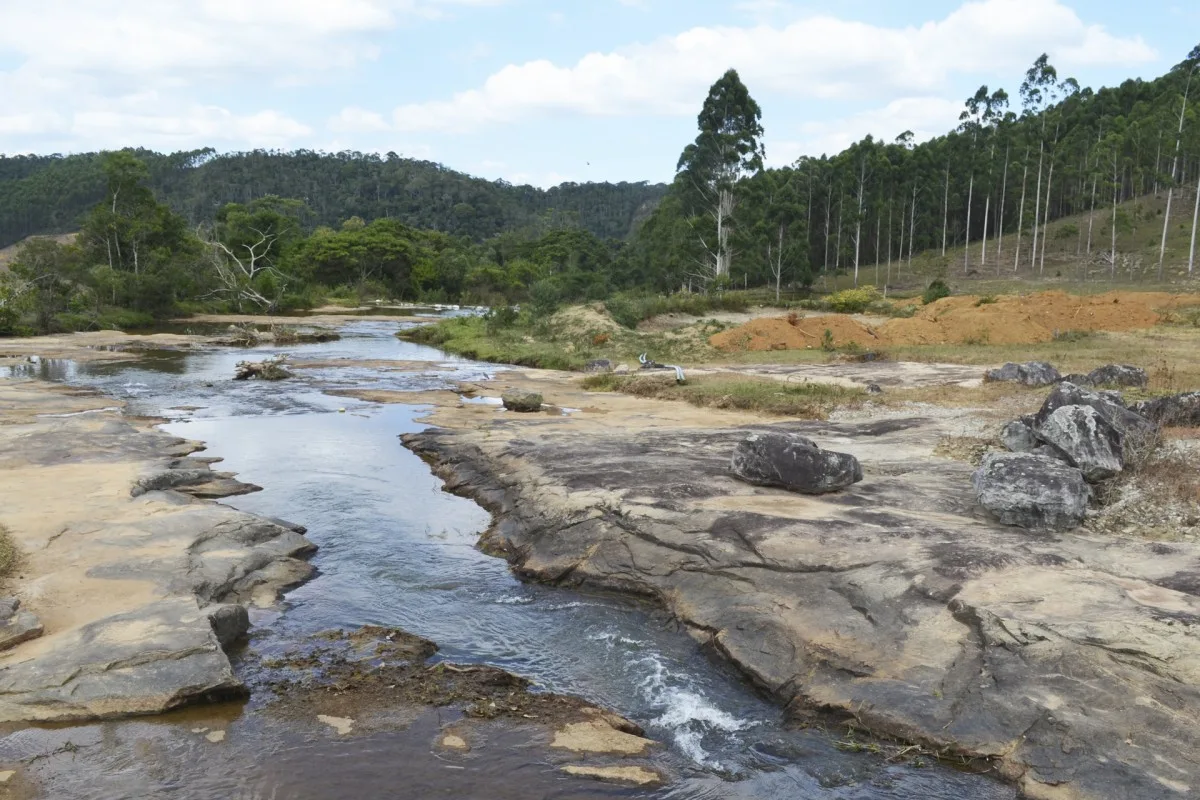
1072, 661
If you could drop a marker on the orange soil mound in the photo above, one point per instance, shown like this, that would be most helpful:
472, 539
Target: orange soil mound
768, 333
959, 320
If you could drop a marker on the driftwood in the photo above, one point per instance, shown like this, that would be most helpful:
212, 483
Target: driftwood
270, 369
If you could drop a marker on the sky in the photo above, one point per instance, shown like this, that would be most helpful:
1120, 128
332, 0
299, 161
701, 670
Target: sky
534, 91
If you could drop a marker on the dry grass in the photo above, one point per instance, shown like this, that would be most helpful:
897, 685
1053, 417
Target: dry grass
8, 553
1158, 496
726, 391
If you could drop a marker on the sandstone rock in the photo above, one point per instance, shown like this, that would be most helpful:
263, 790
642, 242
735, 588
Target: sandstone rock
1087, 439
1032, 373
161, 656
16, 624
230, 622
1182, 410
1031, 491
598, 365
1018, 436
525, 402
1118, 375
1136, 429
793, 462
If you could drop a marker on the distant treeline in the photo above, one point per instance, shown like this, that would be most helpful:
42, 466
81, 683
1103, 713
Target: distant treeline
52, 194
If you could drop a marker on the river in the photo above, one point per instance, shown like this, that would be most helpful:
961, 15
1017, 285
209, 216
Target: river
395, 550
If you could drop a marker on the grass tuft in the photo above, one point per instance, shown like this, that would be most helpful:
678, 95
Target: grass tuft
762, 395
8, 553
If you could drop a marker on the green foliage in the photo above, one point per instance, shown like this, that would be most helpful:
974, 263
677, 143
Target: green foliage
797, 400
631, 308
827, 341
936, 290
853, 301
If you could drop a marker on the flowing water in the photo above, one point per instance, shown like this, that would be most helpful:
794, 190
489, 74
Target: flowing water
395, 550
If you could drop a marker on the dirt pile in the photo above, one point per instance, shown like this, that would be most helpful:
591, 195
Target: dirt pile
781, 333
585, 321
966, 320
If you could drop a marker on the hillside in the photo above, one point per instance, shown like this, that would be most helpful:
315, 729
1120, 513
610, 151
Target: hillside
49, 194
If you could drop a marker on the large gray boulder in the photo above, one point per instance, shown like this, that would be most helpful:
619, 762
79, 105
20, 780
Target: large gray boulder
1032, 491
1087, 439
790, 461
1182, 410
526, 402
1136, 429
1118, 375
1032, 373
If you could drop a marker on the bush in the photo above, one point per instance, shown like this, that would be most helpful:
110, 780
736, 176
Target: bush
853, 301
936, 290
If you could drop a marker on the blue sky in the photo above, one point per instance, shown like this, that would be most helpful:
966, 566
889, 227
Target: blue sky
533, 90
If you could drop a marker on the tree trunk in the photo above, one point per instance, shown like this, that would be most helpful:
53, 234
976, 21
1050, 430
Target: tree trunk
903, 213
1162, 249
1046, 218
779, 265
987, 208
1195, 219
1021, 214
1091, 216
946, 208
862, 180
912, 224
878, 224
967, 236
724, 211
1037, 208
1000, 224
837, 256
1112, 273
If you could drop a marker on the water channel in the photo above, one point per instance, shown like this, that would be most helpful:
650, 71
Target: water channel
396, 550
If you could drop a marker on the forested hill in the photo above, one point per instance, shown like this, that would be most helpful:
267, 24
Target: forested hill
50, 194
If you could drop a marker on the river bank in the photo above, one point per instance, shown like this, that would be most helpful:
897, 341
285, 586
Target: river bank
1070, 662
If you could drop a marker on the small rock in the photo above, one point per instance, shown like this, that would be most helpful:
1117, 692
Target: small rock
6, 775
342, 725
1032, 491
874, 388
525, 402
229, 622
621, 369
1182, 410
597, 736
1088, 441
1018, 436
216, 737
793, 462
1118, 375
1032, 373
16, 626
639, 776
452, 741
598, 365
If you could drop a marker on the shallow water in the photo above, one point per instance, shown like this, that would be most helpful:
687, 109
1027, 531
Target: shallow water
396, 550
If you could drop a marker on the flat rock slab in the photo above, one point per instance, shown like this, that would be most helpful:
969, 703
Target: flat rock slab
159, 657
16, 624
1071, 661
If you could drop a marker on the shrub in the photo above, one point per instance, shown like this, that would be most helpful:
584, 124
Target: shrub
935, 291
853, 301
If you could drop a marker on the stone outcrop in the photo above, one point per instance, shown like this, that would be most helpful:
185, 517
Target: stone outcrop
897, 603
524, 402
1018, 436
1133, 426
1121, 375
789, 461
1032, 491
1032, 373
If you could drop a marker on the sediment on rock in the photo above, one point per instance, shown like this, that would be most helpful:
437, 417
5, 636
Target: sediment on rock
895, 603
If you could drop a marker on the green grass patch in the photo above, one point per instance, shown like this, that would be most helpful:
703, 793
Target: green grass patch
629, 309
762, 395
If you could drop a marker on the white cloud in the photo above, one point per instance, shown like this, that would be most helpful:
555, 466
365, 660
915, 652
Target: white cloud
94, 73
358, 120
817, 57
926, 117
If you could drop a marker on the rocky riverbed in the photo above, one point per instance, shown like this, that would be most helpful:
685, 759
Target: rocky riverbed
1070, 661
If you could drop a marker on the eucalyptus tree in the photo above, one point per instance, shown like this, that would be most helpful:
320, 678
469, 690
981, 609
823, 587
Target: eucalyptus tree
1039, 82
727, 149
